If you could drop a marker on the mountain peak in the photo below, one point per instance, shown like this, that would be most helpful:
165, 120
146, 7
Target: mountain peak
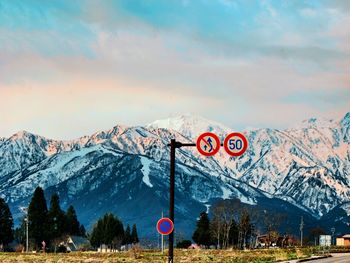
317, 123
190, 125
346, 120
21, 134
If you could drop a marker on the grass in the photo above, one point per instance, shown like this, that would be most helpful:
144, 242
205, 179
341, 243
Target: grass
181, 255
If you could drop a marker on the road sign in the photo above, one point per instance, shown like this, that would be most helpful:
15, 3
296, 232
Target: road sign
208, 144
165, 226
235, 144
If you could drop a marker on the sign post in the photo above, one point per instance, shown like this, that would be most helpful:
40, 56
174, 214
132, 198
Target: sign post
173, 145
208, 144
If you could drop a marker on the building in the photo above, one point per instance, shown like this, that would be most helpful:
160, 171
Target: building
76, 243
280, 241
343, 240
325, 240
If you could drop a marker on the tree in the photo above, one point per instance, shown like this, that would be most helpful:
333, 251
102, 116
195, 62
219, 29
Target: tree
314, 235
82, 231
37, 214
202, 233
72, 223
6, 224
216, 225
109, 230
272, 222
244, 227
56, 219
127, 235
96, 234
20, 232
223, 226
134, 236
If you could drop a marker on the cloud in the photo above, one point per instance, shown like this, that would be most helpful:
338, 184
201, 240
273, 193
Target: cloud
241, 63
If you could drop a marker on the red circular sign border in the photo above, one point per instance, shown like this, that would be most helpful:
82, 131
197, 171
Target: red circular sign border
171, 224
240, 135
217, 140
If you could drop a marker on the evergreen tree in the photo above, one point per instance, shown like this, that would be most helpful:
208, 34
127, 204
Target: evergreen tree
6, 224
82, 231
37, 214
202, 233
127, 236
109, 230
56, 218
97, 234
134, 236
72, 223
20, 232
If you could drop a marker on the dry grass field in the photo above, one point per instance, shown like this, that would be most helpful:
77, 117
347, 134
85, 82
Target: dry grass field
271, 255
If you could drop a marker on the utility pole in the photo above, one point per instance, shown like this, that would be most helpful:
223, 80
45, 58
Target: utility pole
332, 240
27, 239
301, 231
25, 210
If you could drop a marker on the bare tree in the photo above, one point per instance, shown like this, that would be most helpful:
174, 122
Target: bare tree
272, 222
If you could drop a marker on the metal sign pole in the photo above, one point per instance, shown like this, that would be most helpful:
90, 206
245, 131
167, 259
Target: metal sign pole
171, 198
173, 145
162, 238
207, 144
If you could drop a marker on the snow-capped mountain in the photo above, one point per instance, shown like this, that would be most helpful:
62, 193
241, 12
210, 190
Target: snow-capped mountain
191, 126
125, 170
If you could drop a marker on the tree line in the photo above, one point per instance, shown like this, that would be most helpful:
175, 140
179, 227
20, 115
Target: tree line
52, 225
235, 225
109, 231
44, 224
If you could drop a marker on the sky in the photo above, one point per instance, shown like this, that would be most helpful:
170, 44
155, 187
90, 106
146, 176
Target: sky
72, 68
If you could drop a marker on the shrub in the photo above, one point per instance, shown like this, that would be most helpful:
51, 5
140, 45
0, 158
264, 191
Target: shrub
184, 244
61, 249
19, 248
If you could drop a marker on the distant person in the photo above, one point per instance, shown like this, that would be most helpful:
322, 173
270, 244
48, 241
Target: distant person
44, 245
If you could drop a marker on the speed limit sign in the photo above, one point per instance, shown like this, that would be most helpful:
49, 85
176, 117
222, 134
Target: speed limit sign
235, 144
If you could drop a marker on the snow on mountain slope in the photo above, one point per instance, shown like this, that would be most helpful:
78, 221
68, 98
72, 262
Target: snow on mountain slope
288, 163
307, 166
146, 170
294, 163
92, 176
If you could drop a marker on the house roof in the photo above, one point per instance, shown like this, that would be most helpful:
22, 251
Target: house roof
346, 236
78, 241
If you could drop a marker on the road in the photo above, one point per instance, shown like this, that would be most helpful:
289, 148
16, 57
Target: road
336, 258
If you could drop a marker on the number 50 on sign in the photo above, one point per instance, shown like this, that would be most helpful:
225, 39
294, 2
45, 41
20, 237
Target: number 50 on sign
235, 144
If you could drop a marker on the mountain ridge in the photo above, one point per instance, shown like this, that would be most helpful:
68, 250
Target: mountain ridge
306, 167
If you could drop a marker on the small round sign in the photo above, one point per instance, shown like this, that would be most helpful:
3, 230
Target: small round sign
235, 144
165, 226
208, 144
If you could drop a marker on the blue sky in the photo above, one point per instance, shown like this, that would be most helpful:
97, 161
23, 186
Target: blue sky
69, 68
